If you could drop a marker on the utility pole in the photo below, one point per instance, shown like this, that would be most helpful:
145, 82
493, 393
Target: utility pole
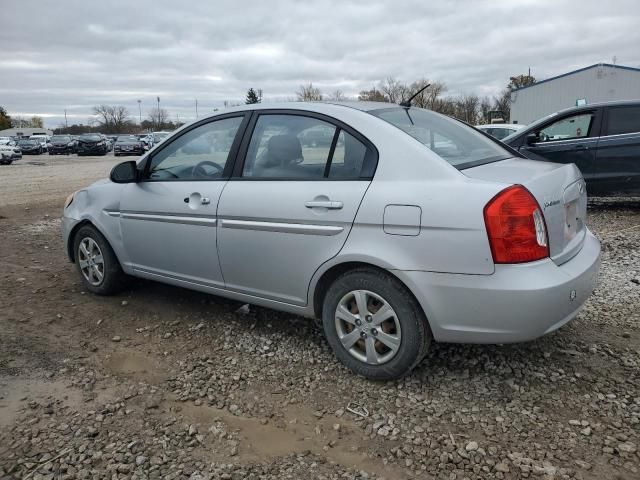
158, 117
140, 110
66, 124
196, 108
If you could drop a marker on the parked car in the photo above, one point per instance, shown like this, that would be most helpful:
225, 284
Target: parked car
500, 130
390, 241
146, 141
61, 145
7, 141
128, 145
91, 144
9, 154
107, 142
43, 138
157, 137
30, 147
603, 140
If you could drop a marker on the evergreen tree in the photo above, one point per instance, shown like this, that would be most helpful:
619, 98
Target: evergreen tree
253, 97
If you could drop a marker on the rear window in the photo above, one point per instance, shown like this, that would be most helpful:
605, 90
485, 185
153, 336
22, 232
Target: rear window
458, 144
623, 120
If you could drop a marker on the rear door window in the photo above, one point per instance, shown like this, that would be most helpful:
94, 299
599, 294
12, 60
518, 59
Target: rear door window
623, 120
290, 146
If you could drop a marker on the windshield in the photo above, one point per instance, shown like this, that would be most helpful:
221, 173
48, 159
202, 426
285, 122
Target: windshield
90, 137
57, 138
458, 144
27, 142
127, 138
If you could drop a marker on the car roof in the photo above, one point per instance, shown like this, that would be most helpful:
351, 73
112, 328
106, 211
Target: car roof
353, 104
501, 125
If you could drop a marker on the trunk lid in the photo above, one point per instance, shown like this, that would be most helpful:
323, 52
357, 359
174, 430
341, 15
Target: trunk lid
560, 191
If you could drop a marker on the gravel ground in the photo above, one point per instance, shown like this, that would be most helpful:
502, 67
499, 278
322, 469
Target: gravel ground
40, 178
161, 382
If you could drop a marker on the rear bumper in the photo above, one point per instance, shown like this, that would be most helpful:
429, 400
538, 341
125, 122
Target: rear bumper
516, 303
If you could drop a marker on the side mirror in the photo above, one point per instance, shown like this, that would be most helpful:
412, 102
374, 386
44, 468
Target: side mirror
125, 172
532, 138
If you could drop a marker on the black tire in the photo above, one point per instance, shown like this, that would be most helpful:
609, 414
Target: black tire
114, 279
415, 337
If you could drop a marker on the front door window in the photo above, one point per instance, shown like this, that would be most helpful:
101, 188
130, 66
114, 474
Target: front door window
576, 126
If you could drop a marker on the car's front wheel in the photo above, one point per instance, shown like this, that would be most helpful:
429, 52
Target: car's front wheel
96, 262
374, 325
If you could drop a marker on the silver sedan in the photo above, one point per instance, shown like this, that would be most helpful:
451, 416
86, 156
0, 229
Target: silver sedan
395, 226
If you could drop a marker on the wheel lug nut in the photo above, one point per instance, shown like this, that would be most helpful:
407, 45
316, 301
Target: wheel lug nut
363, 334
374, 332
358, 322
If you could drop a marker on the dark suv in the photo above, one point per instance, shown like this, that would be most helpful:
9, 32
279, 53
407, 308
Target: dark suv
602, 139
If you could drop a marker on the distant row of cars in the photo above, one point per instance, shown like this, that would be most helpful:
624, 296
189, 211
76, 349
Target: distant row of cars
12, 148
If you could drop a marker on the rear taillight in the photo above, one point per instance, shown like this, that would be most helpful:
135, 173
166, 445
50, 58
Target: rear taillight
515, 226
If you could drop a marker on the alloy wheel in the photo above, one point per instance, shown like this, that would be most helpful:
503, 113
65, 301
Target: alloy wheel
91, 261
368, 327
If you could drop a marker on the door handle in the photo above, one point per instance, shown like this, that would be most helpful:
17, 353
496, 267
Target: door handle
330, 204
203, 200
581, 147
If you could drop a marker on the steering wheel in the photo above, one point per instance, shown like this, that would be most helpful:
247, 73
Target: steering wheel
199, 170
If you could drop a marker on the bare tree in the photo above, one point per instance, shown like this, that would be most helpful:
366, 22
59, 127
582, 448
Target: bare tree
467, 108
337, 96
373, 95
112, 119
158, 117
394, 90
485, 108
503, 104
309, 93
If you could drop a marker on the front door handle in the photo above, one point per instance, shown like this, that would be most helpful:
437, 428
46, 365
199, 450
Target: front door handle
330, 204
581, 147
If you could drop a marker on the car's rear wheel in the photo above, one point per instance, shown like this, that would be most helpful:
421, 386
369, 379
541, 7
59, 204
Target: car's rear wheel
374, 325
96, 262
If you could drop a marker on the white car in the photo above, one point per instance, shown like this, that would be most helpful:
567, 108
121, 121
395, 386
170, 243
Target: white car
7, 141
9, 153
500, 130
43, 139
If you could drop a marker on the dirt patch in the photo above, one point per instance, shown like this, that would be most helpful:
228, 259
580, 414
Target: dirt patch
16, 394
135, 365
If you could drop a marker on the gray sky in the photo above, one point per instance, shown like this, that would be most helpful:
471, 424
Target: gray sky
76, 54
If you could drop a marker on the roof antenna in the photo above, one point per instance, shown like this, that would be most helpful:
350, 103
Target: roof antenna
407, 103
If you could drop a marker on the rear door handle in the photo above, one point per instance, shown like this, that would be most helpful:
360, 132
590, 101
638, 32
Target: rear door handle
203, 200
330, 204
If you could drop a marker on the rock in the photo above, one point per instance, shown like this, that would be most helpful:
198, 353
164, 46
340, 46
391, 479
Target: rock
627, 447
583, 464
586, 431
116, 338
502, 467
192, 430
471, 447
140, 459
124, 303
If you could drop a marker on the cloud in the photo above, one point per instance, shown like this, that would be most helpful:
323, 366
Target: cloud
77, 54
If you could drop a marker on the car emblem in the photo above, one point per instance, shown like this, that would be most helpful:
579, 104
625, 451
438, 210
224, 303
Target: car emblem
572, 295
551, 203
